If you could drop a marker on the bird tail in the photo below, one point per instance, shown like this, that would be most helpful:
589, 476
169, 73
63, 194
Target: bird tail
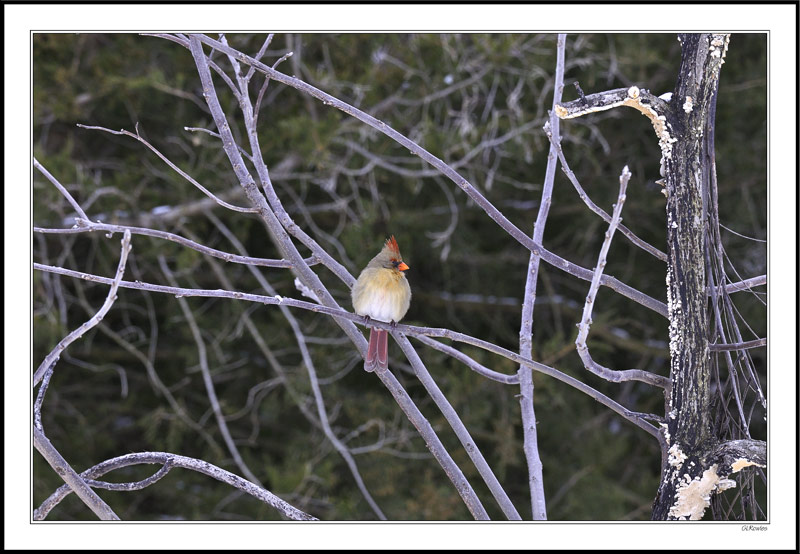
378, 351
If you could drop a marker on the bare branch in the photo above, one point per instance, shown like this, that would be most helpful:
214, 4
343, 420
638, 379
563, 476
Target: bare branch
135, 485
458, 427
653, 107
43, 374
739, 345
85, 225
530, 435
308, 277
60, 187
433, 443
586, 320
469, 362
735, 455
747, 284
73, 481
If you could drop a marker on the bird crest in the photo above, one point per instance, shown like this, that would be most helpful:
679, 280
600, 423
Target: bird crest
391, 244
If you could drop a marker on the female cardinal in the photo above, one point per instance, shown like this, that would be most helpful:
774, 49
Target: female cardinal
382, 292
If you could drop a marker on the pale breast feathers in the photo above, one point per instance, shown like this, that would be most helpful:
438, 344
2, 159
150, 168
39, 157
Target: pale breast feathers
381, 294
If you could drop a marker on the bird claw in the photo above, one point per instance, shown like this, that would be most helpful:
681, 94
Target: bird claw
367, 319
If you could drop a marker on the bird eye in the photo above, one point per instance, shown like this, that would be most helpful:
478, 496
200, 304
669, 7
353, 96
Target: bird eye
395, 263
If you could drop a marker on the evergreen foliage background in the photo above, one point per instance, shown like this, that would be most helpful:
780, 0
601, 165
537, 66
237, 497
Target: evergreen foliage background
478, 101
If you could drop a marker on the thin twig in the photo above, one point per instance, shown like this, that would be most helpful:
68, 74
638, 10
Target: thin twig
205, 370
175, 168
644, 245
183, 41
263, 88
259, 55
741, 235
242, 151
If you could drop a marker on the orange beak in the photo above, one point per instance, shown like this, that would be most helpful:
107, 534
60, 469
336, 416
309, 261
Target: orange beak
402, 266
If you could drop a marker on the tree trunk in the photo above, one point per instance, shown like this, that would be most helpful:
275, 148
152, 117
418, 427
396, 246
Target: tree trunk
696, 462
688, 476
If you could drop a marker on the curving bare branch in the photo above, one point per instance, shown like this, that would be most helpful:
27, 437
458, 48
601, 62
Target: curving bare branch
169, 461
43, 375
615, 376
